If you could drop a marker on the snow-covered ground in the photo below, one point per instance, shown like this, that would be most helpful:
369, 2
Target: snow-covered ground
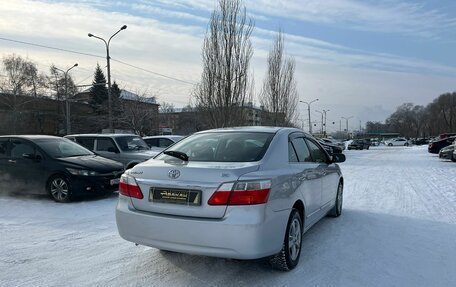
398, 228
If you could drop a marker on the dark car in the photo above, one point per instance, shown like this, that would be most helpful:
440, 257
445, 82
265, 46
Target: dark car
330, 148
54, 165
436, 146
358, 144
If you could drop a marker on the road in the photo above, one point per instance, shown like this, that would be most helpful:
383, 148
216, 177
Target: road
398, 228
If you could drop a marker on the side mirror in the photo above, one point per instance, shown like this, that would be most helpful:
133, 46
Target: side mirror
113, 149
338, 157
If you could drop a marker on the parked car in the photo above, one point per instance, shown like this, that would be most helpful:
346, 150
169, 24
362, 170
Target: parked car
397, 142
54, 165
448, 152
240, 193
436, 146
125, 148
159, 143
358, 144
330, 148
420, 141
334, 142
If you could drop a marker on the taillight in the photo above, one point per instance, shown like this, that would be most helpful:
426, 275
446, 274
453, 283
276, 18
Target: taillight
241, 193
129, 187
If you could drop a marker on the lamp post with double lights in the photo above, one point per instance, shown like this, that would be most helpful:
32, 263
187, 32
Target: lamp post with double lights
108, 59
346, 121
321, 126
67, 102
308, 110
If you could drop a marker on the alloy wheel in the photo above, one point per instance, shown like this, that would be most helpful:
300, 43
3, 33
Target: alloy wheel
294, 239
59, 189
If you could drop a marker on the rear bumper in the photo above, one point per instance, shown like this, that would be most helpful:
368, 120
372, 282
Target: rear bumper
245, 232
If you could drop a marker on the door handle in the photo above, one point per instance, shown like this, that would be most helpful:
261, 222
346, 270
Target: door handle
11, 161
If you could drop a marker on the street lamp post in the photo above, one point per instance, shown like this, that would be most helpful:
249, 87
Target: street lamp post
108, 59
308, 110
321, 126
346, 121
67, 102
325, 111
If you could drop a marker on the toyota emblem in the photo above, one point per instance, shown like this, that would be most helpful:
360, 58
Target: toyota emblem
174, 173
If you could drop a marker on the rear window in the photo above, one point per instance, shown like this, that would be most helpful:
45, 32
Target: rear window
223, 147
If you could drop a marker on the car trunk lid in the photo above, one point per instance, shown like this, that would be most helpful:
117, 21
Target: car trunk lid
184, 189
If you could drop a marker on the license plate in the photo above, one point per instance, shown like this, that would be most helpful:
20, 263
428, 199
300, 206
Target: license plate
114, 181
175, 196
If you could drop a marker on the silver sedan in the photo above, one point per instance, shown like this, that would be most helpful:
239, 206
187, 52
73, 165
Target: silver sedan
243, 193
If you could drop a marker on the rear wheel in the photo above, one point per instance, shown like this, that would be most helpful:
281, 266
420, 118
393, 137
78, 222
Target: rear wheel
288, 257
336, 211
406, 144
390, 144
453, 158
60, 189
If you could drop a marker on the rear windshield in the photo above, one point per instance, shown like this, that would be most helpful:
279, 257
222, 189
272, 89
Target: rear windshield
128, 143
223, 147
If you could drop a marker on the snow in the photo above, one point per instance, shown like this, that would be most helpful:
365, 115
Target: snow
398, 228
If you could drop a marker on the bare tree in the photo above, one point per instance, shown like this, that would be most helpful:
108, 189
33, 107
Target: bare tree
279, 94
227, 51
166, 107
139, 114
20, 86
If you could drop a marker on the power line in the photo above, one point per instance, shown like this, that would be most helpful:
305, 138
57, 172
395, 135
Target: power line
152, 72
97, 56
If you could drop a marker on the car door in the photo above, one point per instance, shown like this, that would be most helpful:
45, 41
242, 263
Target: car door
5, 164
327, 172
27, 166
307, 175
105, 147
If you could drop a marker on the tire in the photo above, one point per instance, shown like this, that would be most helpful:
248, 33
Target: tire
59, 188
406, 144
336, 211
453, 159
367, 147
390, 144
288, 258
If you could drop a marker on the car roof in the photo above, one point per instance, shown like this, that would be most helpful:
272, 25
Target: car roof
164, 136
263, 129
31, 137
100, 135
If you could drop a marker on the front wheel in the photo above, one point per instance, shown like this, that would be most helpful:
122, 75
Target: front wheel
60, 189
288, 258
390, 144
336, 211
406, 144
453, 158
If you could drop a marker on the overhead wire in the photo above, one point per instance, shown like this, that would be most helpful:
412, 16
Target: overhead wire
97, 56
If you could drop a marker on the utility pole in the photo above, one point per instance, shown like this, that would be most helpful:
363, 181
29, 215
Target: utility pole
308, 110
346, 120
324, 112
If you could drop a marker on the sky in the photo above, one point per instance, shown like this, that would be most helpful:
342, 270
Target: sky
360, 58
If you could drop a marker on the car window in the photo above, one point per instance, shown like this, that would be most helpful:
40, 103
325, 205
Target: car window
292, 157
105, 144
152, 142
20, 147
223, 146
318, 155
128, 143
301, 150
61, 147
87, 142
3, 148
165, 142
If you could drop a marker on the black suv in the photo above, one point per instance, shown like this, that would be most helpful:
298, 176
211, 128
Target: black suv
54, 165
